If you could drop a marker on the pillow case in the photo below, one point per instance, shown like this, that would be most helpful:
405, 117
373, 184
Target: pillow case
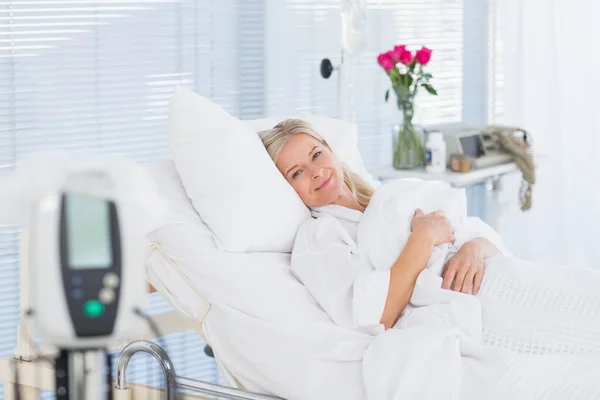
232, 182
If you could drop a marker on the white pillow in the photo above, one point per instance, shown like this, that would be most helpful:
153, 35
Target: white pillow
341, 135
232, 182
173, 228
179, 207
248, 282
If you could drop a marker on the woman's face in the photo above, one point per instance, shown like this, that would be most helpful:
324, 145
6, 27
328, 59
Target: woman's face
312, 170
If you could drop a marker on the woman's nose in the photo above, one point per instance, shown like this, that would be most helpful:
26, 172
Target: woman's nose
317, 173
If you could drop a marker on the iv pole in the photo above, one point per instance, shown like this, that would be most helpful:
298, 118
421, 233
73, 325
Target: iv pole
353, 40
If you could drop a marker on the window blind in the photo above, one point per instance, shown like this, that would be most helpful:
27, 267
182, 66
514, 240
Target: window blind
95, 77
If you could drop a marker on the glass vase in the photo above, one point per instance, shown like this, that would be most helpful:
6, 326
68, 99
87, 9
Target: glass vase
407, 147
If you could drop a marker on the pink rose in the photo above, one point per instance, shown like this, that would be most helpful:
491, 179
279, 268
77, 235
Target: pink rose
423, 56
386, 61
405, 57
397, 52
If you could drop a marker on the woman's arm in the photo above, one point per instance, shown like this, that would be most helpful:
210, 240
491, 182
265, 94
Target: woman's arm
427, 231
404, 273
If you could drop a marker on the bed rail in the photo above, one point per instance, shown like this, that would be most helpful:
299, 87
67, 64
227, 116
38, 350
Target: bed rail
172, 381
158, 353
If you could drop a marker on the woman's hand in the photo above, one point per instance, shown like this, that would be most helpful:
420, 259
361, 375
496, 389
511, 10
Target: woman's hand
466, 267
435, 225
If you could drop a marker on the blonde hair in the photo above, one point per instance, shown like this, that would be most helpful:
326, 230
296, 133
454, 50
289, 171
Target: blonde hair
274, 140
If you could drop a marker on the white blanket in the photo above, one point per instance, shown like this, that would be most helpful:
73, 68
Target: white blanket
272, 336
391, 211
383, 231
532, 332
540, 340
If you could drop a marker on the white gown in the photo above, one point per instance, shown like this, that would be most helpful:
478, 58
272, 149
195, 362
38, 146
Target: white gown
326, 259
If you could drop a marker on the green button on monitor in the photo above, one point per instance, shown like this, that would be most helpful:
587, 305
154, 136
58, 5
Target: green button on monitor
93, 309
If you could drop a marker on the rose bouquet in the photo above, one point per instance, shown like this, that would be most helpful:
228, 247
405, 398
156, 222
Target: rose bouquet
407, 74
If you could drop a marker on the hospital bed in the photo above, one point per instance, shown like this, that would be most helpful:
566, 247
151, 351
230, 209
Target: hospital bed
296, 361
35, 374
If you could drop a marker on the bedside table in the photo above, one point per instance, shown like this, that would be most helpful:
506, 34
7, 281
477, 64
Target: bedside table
478, 183
456, 179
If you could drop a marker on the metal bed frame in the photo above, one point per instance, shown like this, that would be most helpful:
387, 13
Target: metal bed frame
174, 382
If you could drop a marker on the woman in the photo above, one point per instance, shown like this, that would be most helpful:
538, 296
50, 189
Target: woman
325, 256
540, 325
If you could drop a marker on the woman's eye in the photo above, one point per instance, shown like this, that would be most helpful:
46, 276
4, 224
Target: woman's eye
317, 154
296, 174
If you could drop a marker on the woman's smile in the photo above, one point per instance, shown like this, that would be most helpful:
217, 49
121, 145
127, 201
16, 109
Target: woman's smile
326, 183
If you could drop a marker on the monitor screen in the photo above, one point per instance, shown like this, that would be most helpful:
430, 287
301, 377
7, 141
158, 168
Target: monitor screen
472, 146
88, 232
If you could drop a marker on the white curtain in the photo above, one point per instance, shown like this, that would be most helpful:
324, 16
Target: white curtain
551, 79
95, 77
